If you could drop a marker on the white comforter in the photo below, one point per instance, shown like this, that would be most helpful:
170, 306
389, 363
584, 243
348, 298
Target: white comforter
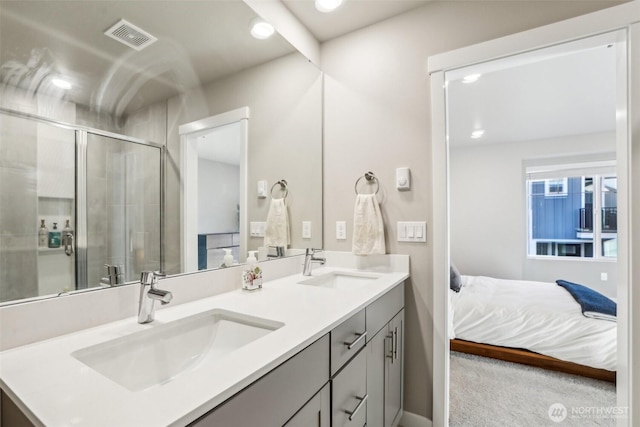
537, 316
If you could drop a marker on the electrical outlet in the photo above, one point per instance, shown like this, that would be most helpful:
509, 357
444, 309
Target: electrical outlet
306, 229
341, 230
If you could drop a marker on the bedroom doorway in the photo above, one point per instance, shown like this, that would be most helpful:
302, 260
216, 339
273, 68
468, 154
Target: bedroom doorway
213, 193
532, 148
605, 256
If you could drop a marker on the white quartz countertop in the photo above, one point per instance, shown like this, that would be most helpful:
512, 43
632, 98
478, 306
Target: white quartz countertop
55, 389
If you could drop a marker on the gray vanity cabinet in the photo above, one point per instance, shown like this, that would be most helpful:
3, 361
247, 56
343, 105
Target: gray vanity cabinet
347, 339
279, 395
316, 413
349, 372
367, 389
394, 366
351, 377
377, 350
349, 394
385, 359
384, 374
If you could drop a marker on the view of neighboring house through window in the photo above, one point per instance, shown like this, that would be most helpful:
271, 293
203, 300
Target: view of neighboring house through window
572, 210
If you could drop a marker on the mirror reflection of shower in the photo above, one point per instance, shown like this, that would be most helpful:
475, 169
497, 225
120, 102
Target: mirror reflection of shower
74, 201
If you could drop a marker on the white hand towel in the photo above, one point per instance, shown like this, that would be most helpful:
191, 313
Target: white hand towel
368, 228
277, 230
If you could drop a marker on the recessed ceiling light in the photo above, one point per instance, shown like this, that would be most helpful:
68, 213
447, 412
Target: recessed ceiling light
260, 29
327, 5
471, 78
61, 83
477, 133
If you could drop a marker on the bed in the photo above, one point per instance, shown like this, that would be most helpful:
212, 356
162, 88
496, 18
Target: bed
535, 323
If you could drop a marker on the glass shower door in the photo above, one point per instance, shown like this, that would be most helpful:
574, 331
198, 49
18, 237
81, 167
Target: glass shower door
37, 198
123, 202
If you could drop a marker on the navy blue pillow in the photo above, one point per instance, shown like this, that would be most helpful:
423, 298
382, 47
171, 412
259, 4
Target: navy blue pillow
455, 280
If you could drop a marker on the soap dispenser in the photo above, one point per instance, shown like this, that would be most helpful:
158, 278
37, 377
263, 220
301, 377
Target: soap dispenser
43, 235
54, 236
252, 274
228, 260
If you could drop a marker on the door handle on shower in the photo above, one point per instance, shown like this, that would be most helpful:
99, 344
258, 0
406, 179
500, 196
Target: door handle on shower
68, 244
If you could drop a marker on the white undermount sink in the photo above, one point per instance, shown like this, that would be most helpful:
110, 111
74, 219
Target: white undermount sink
157, 355
341, 279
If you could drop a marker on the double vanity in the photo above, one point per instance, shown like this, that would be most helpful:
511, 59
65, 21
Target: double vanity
303, 351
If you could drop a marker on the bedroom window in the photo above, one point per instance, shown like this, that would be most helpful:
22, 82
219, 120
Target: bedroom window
572, 210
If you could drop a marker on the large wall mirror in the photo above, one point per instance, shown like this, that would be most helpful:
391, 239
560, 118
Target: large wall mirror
92, 98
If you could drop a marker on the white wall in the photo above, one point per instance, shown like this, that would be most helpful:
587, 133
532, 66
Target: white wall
218, 197
377, 109
488, 211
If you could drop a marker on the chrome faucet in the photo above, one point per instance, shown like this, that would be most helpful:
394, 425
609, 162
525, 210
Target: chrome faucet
309, 259
149, 294
279, 252
115, 275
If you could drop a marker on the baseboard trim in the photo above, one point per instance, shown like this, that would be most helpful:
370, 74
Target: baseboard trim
413, 420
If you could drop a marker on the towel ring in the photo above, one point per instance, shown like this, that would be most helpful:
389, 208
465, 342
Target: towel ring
283, 188
371, 179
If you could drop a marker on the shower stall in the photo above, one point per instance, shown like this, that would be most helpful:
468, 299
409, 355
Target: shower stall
108, 188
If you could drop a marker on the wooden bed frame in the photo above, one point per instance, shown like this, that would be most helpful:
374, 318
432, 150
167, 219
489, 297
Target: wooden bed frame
530, 358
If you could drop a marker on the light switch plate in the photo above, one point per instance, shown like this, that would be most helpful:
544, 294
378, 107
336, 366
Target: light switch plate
341, 230
262, 189
412, 231
306, 229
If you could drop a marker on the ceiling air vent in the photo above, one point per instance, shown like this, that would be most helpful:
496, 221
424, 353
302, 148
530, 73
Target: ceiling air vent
127, 33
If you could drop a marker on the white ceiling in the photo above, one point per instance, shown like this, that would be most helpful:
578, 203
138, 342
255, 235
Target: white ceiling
350, 16
209, 39
221, 144
198, 42
558, 91
539, 95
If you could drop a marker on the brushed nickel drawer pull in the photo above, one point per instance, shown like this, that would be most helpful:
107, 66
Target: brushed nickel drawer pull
395, 343
353, 343
389, 337
357, 408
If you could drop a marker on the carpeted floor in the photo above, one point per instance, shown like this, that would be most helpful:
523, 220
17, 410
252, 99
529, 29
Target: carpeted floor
489, 392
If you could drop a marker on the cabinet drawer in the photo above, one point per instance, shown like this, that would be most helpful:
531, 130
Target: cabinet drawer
349, 397
347, 339
276, 397
382, 310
